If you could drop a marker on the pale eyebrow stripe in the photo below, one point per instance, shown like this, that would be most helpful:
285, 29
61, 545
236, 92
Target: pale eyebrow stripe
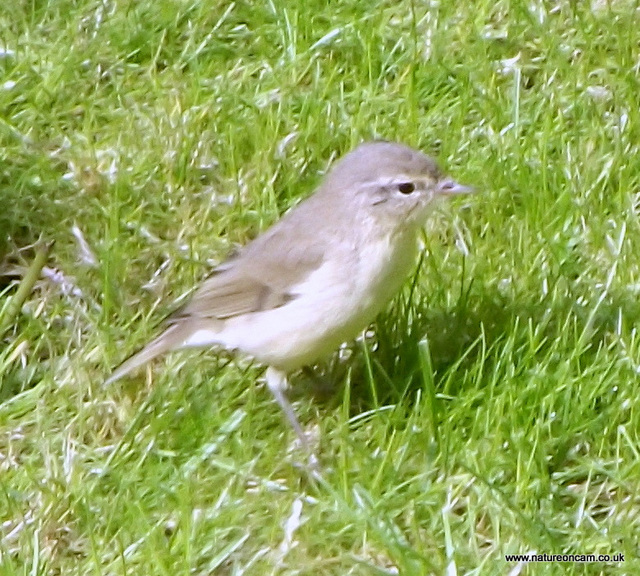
387, 180
400, 179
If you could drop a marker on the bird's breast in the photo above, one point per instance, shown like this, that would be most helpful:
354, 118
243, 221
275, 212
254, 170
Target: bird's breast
332, 305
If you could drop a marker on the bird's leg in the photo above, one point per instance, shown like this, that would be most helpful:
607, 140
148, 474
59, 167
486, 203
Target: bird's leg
277, 383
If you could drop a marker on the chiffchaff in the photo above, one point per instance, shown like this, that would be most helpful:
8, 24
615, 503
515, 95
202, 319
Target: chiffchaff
319, 275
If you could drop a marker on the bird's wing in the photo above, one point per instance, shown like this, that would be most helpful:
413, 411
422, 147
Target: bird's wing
225, 294
261, 277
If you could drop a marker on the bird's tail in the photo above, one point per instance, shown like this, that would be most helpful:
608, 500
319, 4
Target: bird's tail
172, 338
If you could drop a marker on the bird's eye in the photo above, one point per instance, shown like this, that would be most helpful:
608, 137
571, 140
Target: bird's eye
406, 187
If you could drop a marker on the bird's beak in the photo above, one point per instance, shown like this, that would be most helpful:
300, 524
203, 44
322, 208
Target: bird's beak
449, 187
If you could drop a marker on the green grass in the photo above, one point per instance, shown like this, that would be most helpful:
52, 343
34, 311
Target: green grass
495, 407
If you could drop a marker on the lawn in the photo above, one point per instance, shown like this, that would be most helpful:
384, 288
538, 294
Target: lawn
493, 409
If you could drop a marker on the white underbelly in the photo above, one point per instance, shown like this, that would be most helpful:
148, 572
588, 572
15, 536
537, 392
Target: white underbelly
332, 306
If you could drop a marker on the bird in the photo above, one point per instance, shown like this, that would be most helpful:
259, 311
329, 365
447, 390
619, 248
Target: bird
318, 276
